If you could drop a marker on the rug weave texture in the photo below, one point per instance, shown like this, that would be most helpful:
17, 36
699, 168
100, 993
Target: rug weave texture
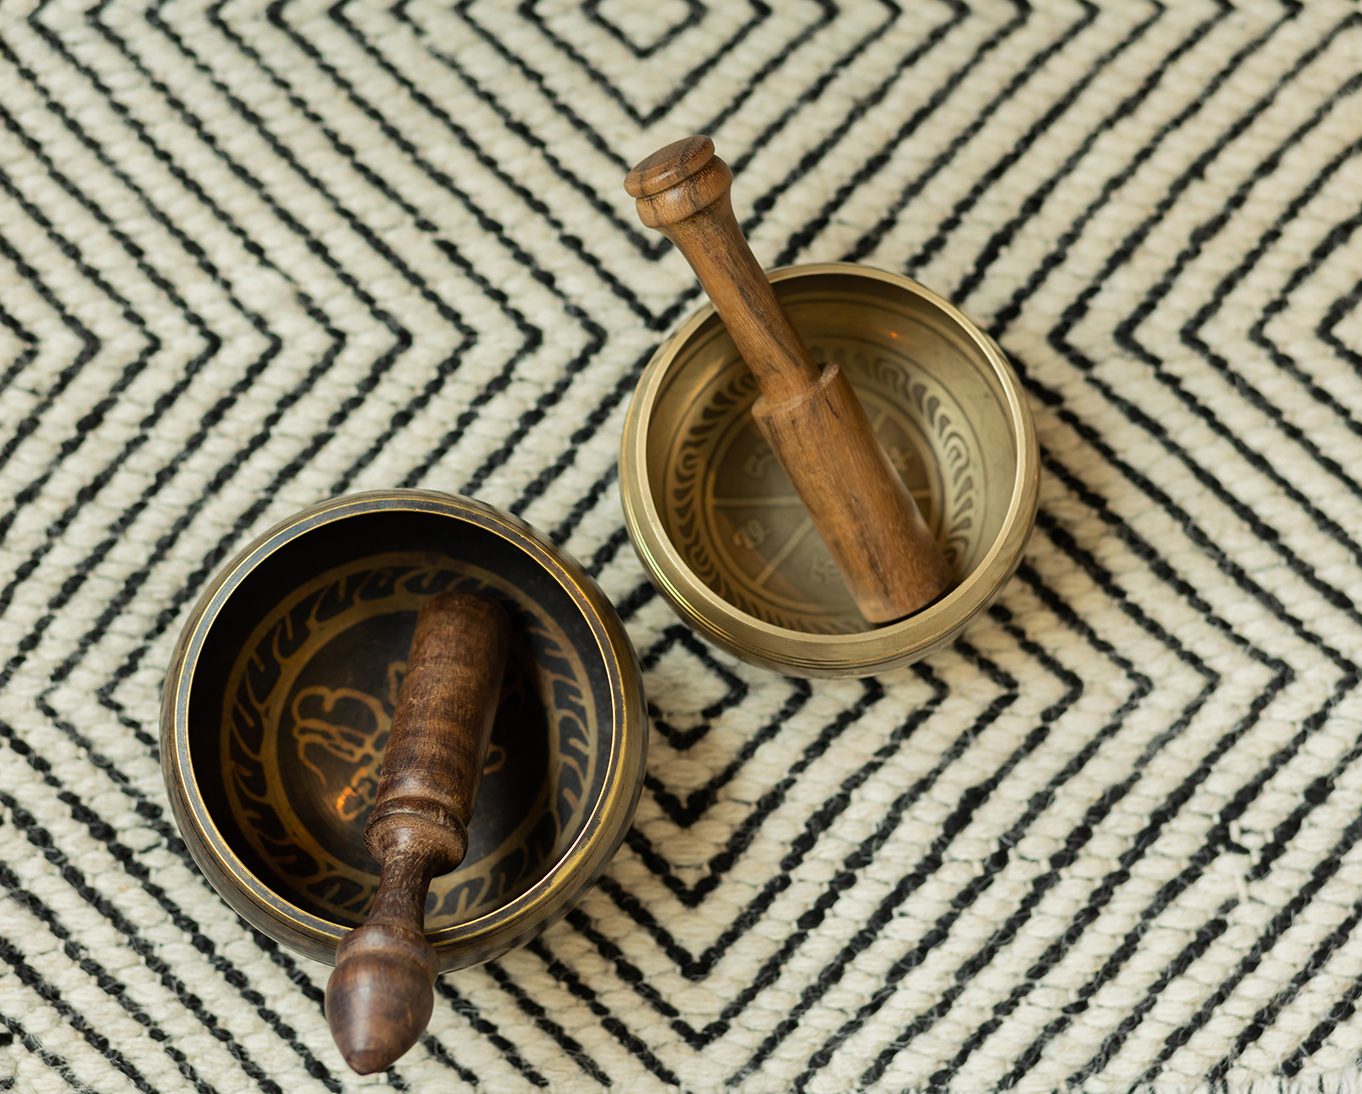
256, 255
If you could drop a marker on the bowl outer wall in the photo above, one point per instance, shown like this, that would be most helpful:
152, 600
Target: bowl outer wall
797, 653
520, 919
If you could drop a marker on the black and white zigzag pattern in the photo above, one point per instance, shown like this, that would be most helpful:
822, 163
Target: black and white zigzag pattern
255, 254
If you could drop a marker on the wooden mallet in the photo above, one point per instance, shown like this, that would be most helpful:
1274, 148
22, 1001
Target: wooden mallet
809, 416
380, 996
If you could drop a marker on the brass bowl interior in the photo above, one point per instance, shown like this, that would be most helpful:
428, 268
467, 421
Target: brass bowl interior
719, 526
293, 690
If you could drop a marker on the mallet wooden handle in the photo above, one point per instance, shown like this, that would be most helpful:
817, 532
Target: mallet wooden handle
380, 996
811, 418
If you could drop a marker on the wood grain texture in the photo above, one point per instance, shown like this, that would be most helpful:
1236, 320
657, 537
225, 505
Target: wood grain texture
380, 996
811, 418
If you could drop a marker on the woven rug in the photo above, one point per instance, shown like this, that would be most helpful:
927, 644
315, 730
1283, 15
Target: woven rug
254, 255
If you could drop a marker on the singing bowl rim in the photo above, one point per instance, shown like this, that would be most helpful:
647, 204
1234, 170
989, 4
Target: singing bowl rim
517, 920
799, 653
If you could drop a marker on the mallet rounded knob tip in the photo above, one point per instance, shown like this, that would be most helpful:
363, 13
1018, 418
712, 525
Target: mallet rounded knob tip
381, 994
667, 166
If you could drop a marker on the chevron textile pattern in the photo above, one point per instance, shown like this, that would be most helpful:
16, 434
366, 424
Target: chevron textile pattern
253, 255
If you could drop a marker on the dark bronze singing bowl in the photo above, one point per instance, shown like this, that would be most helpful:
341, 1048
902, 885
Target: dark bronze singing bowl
281, 691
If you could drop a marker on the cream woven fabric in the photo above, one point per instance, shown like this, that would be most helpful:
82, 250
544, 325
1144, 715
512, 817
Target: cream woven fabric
253, 255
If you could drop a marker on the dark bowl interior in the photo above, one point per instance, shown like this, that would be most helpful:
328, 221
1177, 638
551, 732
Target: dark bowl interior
294, 689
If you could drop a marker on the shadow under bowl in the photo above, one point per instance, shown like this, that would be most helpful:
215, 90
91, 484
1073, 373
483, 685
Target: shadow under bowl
281, 691
719, 528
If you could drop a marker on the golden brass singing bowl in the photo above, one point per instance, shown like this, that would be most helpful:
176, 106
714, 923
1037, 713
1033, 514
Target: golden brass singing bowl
282, 687
722, 534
